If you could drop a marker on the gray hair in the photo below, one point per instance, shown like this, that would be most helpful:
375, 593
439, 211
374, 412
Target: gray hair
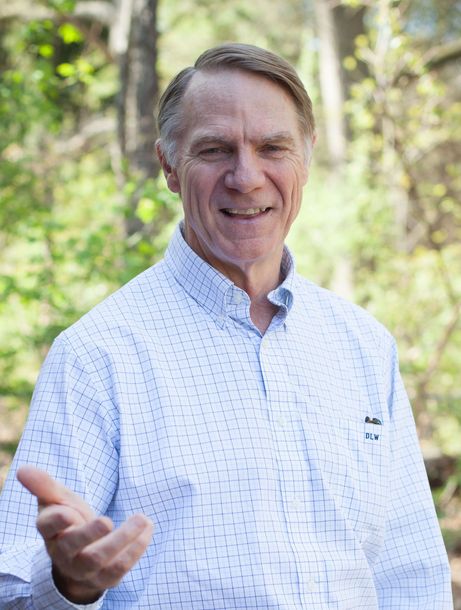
232, 56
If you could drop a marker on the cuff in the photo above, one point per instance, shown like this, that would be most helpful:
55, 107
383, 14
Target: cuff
44, 592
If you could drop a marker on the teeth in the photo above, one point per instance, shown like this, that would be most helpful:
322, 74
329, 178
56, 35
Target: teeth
248, 212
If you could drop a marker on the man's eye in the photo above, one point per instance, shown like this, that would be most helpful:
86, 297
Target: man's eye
273, 149
213, 150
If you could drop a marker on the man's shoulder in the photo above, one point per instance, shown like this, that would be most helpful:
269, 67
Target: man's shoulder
134, 306
336, 313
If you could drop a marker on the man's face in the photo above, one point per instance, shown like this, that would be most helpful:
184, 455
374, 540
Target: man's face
241, 169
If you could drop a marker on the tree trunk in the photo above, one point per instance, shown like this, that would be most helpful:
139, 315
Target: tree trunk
330, 84
332, 93
134, 41
348, 24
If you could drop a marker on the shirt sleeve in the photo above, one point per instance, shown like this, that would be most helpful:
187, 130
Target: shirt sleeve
70, 433
412, 571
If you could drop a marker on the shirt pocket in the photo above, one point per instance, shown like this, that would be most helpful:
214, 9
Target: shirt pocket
349, 459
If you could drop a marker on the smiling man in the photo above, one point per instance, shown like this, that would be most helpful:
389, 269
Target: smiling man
241, 162
255, 420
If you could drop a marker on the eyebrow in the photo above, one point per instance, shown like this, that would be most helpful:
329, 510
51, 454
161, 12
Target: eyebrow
282, 137
209, 139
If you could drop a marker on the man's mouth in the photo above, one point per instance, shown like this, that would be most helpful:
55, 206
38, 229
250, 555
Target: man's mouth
248, 212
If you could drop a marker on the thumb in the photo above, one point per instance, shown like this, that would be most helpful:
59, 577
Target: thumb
48, 491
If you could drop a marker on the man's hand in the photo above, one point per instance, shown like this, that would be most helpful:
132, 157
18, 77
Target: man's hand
87, 554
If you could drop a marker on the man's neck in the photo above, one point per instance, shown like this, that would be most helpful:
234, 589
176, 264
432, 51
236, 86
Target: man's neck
257, 285
257, 280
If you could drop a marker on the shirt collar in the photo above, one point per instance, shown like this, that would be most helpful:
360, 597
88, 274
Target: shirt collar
216, 293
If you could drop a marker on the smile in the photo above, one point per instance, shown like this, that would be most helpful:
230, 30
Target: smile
247, 212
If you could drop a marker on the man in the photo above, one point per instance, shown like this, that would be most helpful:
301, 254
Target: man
258, 421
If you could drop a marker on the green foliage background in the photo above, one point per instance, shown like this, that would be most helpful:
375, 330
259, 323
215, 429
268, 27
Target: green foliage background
393, 213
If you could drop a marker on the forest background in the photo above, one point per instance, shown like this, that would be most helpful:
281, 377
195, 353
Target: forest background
83, 207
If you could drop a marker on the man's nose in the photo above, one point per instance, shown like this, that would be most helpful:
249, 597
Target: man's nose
246, 175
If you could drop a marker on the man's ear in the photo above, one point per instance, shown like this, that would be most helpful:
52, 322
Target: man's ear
169, 172
309, 153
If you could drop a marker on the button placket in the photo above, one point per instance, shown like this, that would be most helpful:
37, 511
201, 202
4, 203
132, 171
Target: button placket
295, 477
238, 297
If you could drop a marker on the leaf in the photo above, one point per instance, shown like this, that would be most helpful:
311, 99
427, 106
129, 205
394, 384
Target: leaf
146, 210
66, 70
70, 33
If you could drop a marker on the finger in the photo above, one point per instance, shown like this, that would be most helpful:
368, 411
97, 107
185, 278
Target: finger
95, 557
120, 565
48, 491
41, 485
75, 539
56, 518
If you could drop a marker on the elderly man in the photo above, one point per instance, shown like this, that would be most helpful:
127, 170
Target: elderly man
258, 421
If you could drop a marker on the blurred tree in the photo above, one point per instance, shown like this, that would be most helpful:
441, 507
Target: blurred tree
82, 209
396, 213
409, 126
134, 41
70, 192
335, 27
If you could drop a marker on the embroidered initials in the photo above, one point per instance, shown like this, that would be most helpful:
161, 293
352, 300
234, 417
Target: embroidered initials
370, 436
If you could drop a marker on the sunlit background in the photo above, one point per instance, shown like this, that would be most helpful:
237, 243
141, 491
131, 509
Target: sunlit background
82, 208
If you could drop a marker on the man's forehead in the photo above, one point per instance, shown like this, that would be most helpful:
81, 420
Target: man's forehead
206, 83
218, 95
231, 104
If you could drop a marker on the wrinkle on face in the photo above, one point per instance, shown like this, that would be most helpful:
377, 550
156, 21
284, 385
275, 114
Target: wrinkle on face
241, 149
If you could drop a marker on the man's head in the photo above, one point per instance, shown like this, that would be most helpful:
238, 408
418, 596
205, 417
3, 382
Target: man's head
236, 134
232, 56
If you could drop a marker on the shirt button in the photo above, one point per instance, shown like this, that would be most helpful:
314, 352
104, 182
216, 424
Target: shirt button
296, 504
281, 422
310, 585
238, 298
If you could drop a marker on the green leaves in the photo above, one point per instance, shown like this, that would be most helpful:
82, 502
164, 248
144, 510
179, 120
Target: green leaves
395, 213
69, 33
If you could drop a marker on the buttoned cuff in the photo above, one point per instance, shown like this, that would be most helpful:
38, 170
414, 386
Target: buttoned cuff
44, 592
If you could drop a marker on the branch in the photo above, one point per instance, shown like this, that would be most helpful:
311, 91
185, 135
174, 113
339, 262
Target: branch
96, 10
444, 271
101, 11
438, 56
24, 10
439, 349
94, 133
84, 139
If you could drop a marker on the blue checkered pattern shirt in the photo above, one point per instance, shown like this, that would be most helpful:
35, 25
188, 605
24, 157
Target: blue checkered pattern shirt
250, 453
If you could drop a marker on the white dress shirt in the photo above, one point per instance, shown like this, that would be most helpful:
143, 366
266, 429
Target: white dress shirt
281, 471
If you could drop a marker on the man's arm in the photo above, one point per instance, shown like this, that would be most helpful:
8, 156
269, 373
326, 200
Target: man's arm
71, 433
412, 571
87, 555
